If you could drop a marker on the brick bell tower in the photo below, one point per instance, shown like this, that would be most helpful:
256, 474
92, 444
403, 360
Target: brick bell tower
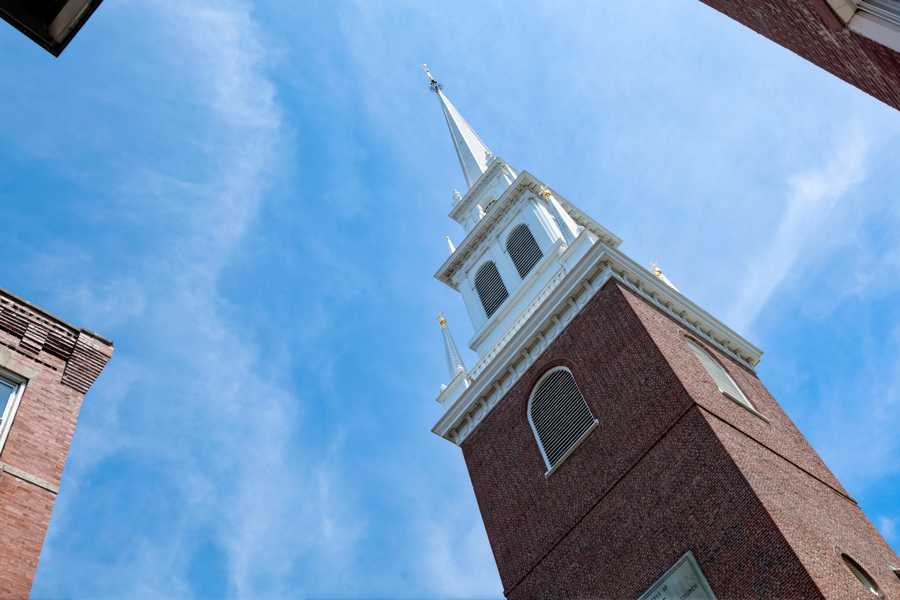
617, 437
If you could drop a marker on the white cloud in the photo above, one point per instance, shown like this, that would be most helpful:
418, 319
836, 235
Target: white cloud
814, 196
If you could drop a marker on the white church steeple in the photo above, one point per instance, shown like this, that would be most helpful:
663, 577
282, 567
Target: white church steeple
529, 262
474, 156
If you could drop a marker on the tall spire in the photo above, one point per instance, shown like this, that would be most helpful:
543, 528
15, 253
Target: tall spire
454, 360
474, 156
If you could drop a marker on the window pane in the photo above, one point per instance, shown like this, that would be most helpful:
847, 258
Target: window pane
6, 391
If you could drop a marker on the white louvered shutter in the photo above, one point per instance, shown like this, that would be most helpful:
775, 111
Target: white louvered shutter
490, 288
559, 414
523, 250
718, 373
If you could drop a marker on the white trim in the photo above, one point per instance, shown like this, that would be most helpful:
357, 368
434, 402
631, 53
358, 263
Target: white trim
9, 414
525, 285
876, 29
546, 322
844, 9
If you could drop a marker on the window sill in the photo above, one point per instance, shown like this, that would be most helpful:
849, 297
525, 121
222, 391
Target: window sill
876, 29
574, 447
749, 409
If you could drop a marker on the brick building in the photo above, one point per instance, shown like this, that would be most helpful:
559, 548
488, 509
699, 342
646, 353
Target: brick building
856, 40
46, 367
618, 440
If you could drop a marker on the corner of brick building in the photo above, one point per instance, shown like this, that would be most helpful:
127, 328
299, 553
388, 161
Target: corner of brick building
662, 474
59, 363
810, 29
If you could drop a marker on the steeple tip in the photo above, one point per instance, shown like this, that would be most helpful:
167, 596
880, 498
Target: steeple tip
474, 156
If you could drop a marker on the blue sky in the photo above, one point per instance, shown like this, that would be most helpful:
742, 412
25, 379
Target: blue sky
250, 199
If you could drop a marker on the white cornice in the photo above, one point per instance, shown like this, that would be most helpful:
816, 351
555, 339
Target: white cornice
462, 207
600, 264
525, 182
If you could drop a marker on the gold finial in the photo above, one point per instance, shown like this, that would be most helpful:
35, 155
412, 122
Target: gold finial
440, 318
656, 270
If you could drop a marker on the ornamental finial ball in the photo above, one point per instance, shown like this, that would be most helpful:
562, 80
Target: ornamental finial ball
441, 320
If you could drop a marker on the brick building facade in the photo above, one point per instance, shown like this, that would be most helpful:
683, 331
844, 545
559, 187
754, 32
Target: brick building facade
850, 39
618, 440
674, 465
46, 367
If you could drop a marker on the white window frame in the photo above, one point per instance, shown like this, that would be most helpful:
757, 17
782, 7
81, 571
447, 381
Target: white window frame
12, 406
870, 20
552, 468
738, 397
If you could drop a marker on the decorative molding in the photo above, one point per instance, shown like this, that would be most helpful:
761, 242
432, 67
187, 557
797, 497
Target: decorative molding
540, 325
463, 207
487, 227
29, 478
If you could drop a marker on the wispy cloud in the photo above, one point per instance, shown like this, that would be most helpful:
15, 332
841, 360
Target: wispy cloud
191, 390
814, 195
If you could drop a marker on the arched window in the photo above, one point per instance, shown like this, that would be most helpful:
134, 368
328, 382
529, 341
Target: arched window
523, 250
718, 373
559, 415
864, 578
490, 288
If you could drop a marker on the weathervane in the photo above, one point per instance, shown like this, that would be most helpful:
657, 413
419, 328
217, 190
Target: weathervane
441, 320
435, 86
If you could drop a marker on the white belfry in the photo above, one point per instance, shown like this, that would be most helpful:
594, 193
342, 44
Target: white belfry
474, 156
454, 360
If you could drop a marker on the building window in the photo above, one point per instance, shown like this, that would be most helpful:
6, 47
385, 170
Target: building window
11, 389
490, 288
559, 416
718, 373
863, 577
886, 9
523, 250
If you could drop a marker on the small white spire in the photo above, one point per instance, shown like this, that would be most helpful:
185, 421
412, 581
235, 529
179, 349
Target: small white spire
658, 272
474, 156
454, 360
560, 215
449, 243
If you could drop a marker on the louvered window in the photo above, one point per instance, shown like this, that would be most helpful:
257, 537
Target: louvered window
490, 288
523, 250
718, 373
559, 415
886, 9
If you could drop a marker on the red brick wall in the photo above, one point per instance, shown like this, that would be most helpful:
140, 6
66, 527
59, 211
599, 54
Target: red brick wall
25, 514
63, 362
656, 479
809, 29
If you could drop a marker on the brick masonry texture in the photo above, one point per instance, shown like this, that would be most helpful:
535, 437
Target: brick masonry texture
810, 29
673, 466
66, 361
